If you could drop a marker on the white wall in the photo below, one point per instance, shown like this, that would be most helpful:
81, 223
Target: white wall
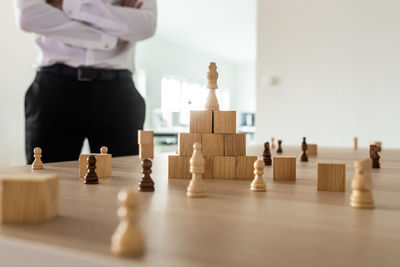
337, 64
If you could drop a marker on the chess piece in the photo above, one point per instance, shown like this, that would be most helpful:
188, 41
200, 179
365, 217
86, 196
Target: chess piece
361, 196
146, 184
258, 184
373, 152
303, 157
355, 143
272, 143
103, 150
196, 187
128, 239
279, 147
37, 163
91, 176
212, 77
267, 154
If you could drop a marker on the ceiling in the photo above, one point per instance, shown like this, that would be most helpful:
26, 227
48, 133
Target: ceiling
223, 28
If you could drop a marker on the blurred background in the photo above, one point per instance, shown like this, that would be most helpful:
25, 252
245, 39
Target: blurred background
324, 69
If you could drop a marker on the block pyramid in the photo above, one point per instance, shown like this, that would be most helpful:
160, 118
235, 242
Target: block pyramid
223, 149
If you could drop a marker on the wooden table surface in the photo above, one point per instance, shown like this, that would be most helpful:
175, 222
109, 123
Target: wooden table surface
292, 224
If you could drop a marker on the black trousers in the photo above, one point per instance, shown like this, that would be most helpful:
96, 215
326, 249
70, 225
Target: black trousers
61, 112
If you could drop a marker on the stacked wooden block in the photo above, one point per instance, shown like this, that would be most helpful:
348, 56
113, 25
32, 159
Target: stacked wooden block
146, 144
224, 150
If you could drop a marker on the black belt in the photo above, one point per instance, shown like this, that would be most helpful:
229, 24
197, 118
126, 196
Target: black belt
86, 74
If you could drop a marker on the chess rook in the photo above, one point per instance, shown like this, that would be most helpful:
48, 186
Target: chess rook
258, 184
146, 184
128, 239
91, 176
361, 196
212, 77
303, 157
37, 163
267, 155
196, 187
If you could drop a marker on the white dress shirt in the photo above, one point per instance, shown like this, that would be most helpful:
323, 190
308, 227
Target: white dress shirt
86, 32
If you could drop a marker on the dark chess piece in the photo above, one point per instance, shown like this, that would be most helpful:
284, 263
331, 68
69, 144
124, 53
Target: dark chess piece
279, 147
267, 154
146, 184
304, 157
91, 176
373, 153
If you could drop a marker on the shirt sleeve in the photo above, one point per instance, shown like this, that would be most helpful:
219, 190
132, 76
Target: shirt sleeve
41, 18
129, 24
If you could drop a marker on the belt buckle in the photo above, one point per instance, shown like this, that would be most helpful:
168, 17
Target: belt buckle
82, 78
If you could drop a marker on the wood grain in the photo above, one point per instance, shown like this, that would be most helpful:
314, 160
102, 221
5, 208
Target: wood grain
186, 142
213, 144
245, 167
235, 144
145, 137
224, 168
224, 121
201, 121
146, 151
292, 224
312, 149
284, 168
331, 177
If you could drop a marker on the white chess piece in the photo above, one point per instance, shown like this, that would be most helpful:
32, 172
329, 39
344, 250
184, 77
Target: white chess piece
37, 163
212, 77
361, 196
258, 184
103, 150
196, 187
272, 143
128, 239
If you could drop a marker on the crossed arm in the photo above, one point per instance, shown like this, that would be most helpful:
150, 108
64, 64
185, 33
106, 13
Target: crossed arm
91, 24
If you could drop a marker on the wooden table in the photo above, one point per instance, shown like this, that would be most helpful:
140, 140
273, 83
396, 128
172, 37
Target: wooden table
289, 225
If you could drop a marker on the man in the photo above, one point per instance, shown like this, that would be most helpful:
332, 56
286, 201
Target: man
83, 86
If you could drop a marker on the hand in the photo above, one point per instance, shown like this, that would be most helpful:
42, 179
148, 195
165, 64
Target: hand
55, 3
132, 3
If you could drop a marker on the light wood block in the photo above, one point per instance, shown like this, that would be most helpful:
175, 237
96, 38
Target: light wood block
186, 142
224, 121
312, 149
201, 121
29, 198
213, 144
235, 144
145, 137
284, 168
331, 177
224, 168
146, 151
103, 165
178, 167
245, 167
209, 167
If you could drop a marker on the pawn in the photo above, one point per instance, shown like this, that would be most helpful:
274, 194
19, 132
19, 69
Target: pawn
279, 147
258, 184
267, 154
272, 143
91, 176
37, 163
196, 187
361, 196
146, 184
373, 152
128, 239
103, 150
303, 157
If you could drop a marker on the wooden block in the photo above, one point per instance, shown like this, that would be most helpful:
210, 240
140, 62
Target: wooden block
235, 144
186, 142
146, 151
312, 149
208, 166
201, 121
103, 165
331, 177
178, 167
224, 121
284, 168
224, 168
245, 167
213, 144
145, 137
29, 198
